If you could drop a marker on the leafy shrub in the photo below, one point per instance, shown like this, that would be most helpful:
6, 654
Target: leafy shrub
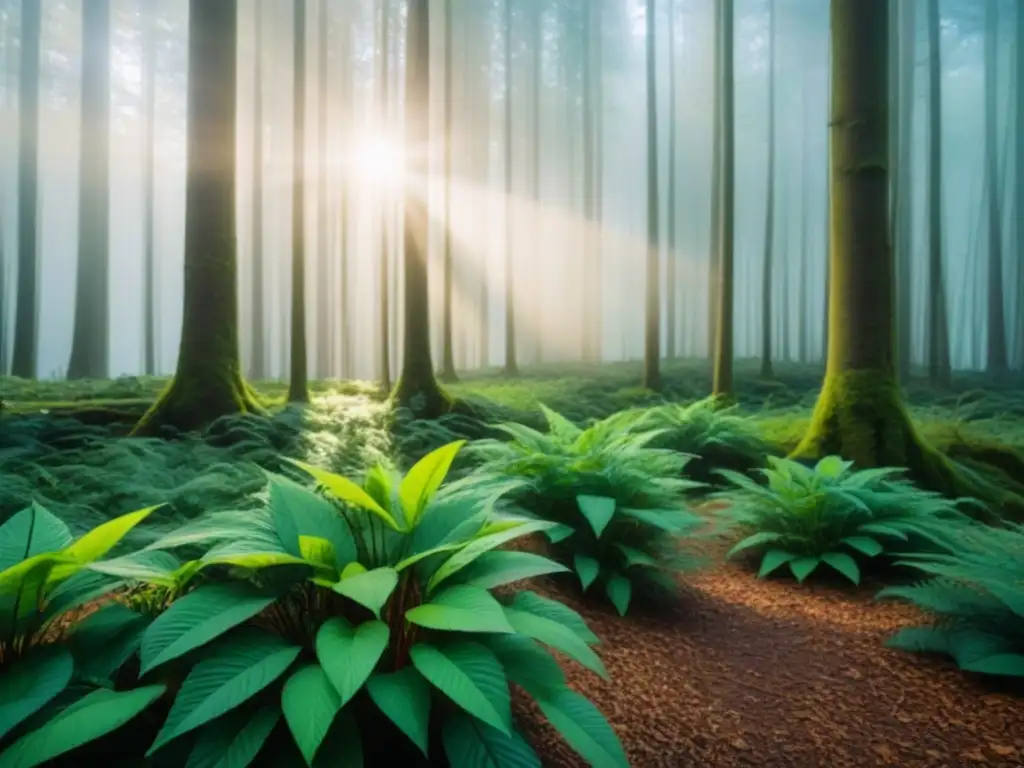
977, 599
616, 501
717, 437
830, 514
375, 593
56, 696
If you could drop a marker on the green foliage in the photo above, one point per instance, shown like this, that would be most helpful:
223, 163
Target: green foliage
57, 696
977, 598
616, 501
374, 594
830, 514
716, 437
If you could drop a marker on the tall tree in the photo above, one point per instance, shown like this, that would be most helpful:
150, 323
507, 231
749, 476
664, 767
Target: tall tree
716, 177
592, 261
511, 366
722, 379
208, 381
385, 247
147, 14
996, 357
769, 216
937, 326
324, 294
652, 301
258, 321
417, 387
902, 120
1019, 188
448, 353
26, 311
298, 380
671, 289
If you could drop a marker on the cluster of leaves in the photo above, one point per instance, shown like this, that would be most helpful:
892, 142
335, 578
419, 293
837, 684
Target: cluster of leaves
977, 598
831, 514
372, 597
57, 676
717, 437
616, 501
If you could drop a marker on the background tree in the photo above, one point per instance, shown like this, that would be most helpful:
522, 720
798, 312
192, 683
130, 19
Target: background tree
723, 364
652, 301
150, 39
298, 381
767, 285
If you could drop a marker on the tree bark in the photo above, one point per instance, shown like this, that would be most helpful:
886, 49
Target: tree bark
769, 222
671, 277
258, 361
996, 357
384, 297
511, 366
937, 326
298, 380
723, 367
652, 325
324, 326
448, 373
149, 285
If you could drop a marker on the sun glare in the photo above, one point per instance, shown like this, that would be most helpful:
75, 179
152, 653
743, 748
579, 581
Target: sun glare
377, 160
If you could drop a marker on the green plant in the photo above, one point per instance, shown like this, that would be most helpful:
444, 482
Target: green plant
372, 598
830, 514
717, 437
977, 599
616, 501
56, 689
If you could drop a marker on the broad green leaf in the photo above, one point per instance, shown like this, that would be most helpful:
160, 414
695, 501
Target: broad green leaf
370, 589
348, 492
598, 510
353, 569
656, 518
471, 676
318, 551
501, 567
558, 612
476, 548
25, 585
559, 533
583, 727
881, 529
343, 746
238, 555
197, 618
32, 531
557, 636
843, 563
348, 655
620, 591
635, 558
153, 567
100, 540
422, 481
461, 608
106, 639
234, 740
469, 743
404, 697
310, 705
299, 511
755, 540
587, 568
1001, 664
773, 560
91, 717
832, 466
802, 567
438, 550
240, 666
31, 683
526, 663
864, 544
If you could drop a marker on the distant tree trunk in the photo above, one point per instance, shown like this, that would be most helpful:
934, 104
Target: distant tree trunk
1019, 188
598, 43
804, 339
26, 318
937, 327
769, 219
716, 180
384, 298
511, 367
652, 325
149, 292
417, 388
906, 66
9, 65
324, 327
996, 358
671, 288
722, 384
860, 413
344, 99
537, 47
298, 382
448, 356
592, 264
208, 381
258, 323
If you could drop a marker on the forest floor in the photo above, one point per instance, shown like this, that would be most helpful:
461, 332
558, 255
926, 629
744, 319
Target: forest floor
740, 672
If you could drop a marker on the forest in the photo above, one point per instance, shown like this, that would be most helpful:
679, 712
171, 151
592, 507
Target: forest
512, 383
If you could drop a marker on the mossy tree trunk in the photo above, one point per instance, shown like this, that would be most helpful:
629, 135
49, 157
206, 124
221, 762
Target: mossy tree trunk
448, 373
417, 388
722, 383
298, 380
208, 381
652, 299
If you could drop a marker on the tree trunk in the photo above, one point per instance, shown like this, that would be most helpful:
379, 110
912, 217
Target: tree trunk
671, 278
149, 284
592, 265
937, 327
769, 223
384, 297
906, 65
298, 381
996, 359
208, 381
417, 388
448, 354
1019, 189
716, 179
324, 326
24, 360
652, 325
511, 367
258, 322
722, 380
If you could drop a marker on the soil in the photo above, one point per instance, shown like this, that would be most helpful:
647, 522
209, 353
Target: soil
748, 672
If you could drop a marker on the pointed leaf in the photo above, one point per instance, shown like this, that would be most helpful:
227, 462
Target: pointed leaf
319, 551
559, 533
471, 676
583, 727
348, 492
756, 540
598, 510
525, 662
349, 654
469, 743
422, 481
843, 563
475, 549
495, 569
802, 567
299, 511
864, 544
636, 558
587, 568
557, 636
32, 531
620, 591
1001, 664
100, 540
562, 614
404, 697
310, 705
31, 683
461, 608
773, 560
234, 740
371, 589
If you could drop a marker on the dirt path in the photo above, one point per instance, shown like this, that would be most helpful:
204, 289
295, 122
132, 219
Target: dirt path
764, 673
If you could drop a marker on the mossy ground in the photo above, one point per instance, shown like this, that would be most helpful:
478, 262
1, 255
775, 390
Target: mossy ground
63, 443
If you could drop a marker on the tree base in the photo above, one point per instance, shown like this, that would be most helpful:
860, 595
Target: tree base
189, 406
448, 376
860, 416
425, 400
